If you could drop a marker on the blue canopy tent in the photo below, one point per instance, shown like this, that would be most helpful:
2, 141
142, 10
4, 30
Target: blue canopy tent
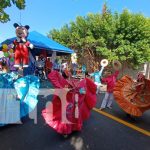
41, 43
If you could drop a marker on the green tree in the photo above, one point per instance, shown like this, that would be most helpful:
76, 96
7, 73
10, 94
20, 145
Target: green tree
4, 17
125, 36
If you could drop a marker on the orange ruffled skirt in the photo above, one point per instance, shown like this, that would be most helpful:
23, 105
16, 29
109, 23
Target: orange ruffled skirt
132, 98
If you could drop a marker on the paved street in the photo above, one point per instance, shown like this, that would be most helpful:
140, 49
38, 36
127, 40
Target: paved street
99, 133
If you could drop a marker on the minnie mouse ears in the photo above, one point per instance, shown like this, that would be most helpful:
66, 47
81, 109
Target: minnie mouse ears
26, 26
16, 25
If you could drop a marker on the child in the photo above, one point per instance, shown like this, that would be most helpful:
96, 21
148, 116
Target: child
97, 75
110, 80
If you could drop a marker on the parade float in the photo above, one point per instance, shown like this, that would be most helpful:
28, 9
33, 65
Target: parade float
19, 85
18, 93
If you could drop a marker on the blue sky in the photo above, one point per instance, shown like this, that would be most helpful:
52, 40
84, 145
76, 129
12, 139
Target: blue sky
44, 15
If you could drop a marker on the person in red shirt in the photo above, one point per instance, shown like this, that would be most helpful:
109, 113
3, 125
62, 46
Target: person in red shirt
110, 80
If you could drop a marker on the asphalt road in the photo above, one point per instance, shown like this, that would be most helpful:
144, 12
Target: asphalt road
142, 122
99, 133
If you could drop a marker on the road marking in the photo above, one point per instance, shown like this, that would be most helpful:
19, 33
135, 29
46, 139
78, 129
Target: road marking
145, 132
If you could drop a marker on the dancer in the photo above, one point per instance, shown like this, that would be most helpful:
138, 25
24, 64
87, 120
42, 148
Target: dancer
67, 112
97, 74
133, 97
110, 80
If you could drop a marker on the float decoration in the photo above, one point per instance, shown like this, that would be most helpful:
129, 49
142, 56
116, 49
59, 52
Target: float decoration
7, 55
21, 46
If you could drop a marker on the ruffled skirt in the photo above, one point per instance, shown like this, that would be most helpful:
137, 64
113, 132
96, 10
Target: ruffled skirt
63, 115
132, 99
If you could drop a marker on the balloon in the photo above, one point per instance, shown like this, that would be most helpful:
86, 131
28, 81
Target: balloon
11, 50
1, 54
11, 55
10, 46
11, 59
7, 60
4, 50
5, 46
6, 54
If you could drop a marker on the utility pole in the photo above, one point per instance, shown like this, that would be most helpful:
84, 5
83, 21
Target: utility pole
147, 73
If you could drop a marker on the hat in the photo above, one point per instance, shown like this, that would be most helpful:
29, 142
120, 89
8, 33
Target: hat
116, 65
104, 62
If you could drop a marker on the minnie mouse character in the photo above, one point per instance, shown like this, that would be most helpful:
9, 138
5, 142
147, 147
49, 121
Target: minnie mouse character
21, 46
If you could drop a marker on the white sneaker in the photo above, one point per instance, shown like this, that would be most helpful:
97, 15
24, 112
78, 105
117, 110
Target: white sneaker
101, 108
109, 107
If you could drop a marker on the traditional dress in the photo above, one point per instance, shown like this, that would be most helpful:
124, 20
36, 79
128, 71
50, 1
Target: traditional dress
67, 112
18, 97
133, 97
